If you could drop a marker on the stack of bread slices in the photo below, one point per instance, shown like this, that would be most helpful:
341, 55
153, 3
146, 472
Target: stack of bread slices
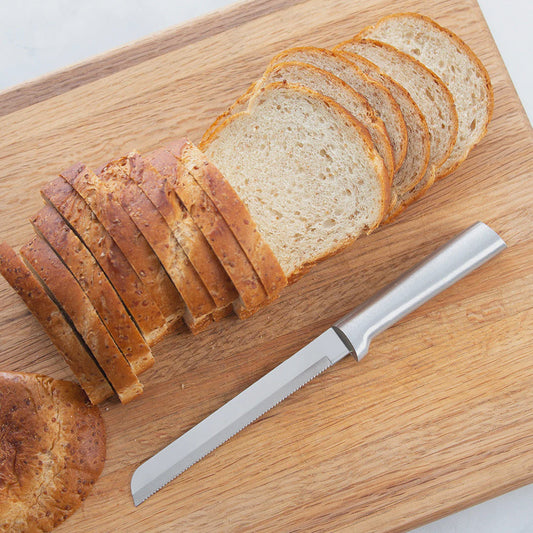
327, 145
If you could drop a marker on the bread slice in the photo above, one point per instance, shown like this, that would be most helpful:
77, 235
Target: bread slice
307, 171
198, 303
236, 215
71, 206
67, 294
428, 91
158, 166
61, 332
51, 227
409, 177
100, 196
444, 53
252, 294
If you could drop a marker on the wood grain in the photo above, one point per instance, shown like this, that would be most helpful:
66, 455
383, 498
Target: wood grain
436, 418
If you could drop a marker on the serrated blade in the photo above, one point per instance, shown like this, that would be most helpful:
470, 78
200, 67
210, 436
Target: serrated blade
235, 415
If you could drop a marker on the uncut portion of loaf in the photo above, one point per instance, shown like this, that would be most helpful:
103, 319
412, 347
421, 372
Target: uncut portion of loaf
454, 62
61, 332
53, 448
307, 171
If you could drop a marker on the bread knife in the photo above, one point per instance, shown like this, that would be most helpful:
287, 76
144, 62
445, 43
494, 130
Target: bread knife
349, 336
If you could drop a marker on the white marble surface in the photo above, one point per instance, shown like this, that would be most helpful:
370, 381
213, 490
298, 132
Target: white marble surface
37, 37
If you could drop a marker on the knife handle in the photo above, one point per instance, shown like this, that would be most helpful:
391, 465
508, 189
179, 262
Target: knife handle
464, 253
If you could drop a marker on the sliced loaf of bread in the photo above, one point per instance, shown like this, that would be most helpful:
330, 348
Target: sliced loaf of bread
444, 53
307, 171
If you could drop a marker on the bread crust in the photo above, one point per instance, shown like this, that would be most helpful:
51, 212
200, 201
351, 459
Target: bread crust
158, 166
98, 193
75, 304
220, 237
61, 333
52, 228
237, 216
198, 301
53, 448
129, 287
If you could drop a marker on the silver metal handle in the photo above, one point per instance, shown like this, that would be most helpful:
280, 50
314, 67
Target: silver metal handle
457, 258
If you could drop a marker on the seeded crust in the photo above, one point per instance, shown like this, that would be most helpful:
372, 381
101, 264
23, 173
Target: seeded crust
252, 294
198, 302
99, 194
53, 446
61, 332
413, 169
52, 228
430, 43
129, 287
69, 295
229, 130
158, 166
236, 215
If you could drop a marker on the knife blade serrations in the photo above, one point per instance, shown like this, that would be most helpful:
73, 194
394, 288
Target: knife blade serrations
235, 415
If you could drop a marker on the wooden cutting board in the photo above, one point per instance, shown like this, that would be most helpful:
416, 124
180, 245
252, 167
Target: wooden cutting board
439, 416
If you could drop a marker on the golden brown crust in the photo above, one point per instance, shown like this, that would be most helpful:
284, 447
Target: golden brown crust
52, 228
220, 237
61, 333
98, 192
198, 301
52, 450
160, 165
80, 218
75, 304
237, 216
